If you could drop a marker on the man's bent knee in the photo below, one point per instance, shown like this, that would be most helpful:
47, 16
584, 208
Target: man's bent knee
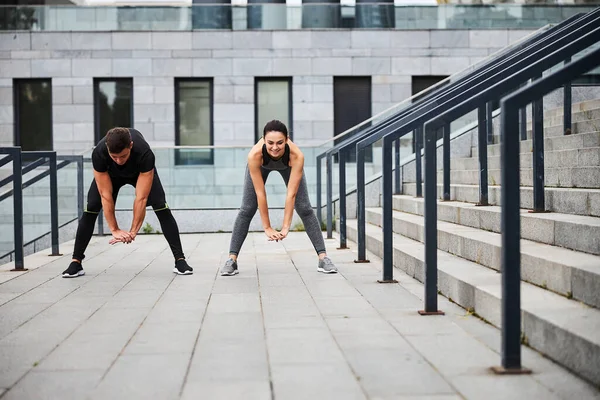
160, 207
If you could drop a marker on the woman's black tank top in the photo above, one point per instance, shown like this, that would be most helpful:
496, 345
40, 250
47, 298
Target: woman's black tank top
280, 164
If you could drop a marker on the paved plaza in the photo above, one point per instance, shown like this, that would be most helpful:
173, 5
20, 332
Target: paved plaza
131, 329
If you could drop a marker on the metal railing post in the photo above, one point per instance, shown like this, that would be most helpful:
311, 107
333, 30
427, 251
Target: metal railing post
342, 186
567, 105
329, 167
489, 123
80, 186
538, 154
319, 183
446, 160
397, 172
511, 241
523, 123
483, 157
388, 222
418, 145
18, 209
430, 278
360, 206
54, 205
510, 208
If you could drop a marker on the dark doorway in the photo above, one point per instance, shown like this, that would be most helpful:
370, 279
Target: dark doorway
33, 114
351, 106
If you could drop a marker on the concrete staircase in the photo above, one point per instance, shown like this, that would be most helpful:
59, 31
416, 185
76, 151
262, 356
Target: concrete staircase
560, 251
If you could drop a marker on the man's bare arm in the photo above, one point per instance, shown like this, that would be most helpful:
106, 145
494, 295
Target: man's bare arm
142, 191
108, 205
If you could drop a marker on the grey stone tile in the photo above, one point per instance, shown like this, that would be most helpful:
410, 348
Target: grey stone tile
344, 306
16, 361
455, 354
489, 386
376, 369
310, 346
160, 338
14, 314
449, 38
309, 381
56, 384
224, 390
234, 303
93, 351
286, 320
349, 326
413, 324
130, 374
15, 41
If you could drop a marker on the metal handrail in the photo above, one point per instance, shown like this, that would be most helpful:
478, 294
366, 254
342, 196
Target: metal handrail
16, 155
424, 106
512, 78
516, 72
493, 87
510, 208
487, 84
428, 100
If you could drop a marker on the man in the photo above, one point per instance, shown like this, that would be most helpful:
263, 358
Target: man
123, 157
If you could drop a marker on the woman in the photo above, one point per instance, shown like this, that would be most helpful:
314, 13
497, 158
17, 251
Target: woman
276, 152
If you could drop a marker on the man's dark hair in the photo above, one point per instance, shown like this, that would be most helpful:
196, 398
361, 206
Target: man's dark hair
275, 126
117, 140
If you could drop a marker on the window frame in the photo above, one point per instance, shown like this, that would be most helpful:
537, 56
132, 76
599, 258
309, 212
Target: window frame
16, 109
290, 125
97, 81
211, 90
351, 158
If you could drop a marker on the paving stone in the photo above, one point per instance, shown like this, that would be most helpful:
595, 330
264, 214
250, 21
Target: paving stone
280, 329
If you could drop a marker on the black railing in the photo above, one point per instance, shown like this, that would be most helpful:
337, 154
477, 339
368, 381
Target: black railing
489, 85
423, 107
36, 159
430, 116
13, 154
511, 199
529, 67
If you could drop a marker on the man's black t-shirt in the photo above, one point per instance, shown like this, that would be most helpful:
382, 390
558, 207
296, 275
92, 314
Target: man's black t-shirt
140, 160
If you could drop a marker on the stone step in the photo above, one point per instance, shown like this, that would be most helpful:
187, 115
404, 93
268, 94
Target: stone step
569, 142
557, 120
564, 330
566, 272
576, 128
575, 108
562, 200
575, 232
589, 157
577, 177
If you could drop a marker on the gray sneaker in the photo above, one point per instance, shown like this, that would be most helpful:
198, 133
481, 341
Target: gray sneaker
326, 266
230, 268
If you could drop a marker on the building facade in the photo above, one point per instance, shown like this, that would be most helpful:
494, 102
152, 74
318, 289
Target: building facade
320, 82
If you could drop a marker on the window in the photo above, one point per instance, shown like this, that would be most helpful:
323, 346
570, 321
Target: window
33, 113
420, 83
193, 120
351, 106
113, 105
273, 100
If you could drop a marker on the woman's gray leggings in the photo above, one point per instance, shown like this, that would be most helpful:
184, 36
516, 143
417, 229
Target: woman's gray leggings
250, 205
